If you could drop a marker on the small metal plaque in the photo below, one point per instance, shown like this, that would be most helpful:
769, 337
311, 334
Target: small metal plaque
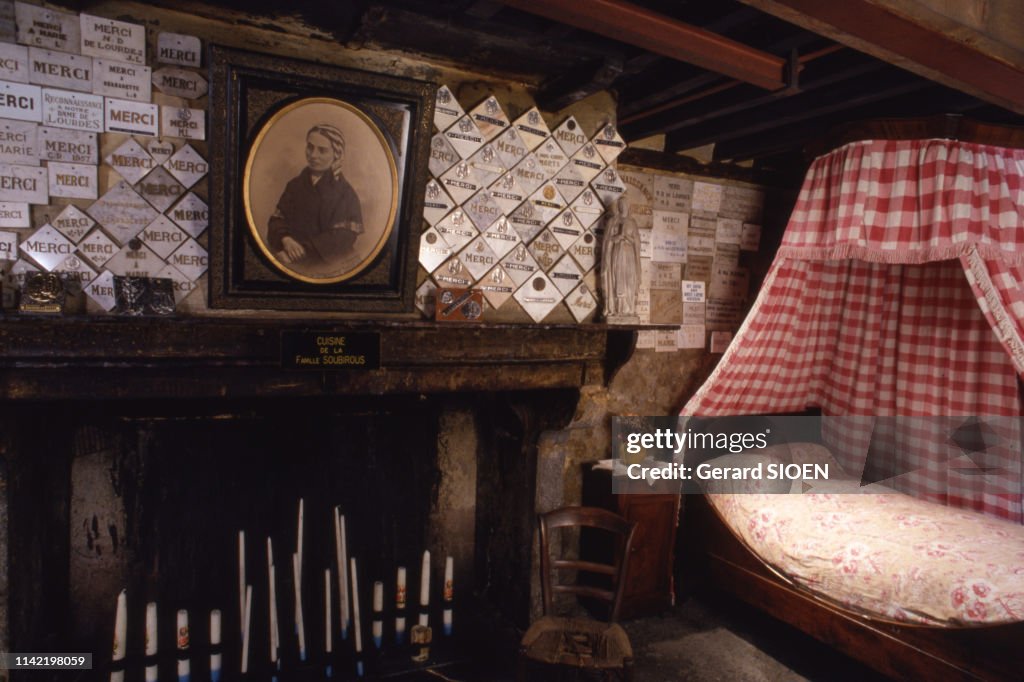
135, 259
461, 182
436, 202
21, 102
131, 161
75, 272
122, 80
546, 202
532, 128
125, 116
178, 82
608, 186
510, 147
538, 297
609, 143
569, 182
526, 221
112, 39
23, 184
13, 63
433, 250
426, 295
570, 136
160, 189
163, 236
183, 122
519, 264
329, 350
42, 292
160, 150
41, 27
566, 228
143, 295
456, 229
442, 155
587, 208
47, 247
482, 209
15, 214
72, 180
176, 48
587, 162
551, 158
18, 142
458, 305
60, 69
72, 223
465, 137
74, 110
566, 274
192, 214
122, 212
446, 109
101, 291
67, 146
529, 174
191, 258
496, 286
97, 248
186, 165
20, 270
507, 193
453, 274
8, 246
584, 251
581, 302
487, 164
501, 236
546, 250
478, 257
489, 118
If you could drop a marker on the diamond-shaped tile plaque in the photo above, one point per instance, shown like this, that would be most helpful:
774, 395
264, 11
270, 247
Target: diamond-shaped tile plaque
160, 189
526, 221
507, 193
75, 272
569, 182
97, 248
587, 208
529, 174
135, 259
8, 246
122, 212
453, 274
497, 286
584, 251
581, 302
538, 296
566, 228
191, 214
461, 182
587, 162
608, 186
569, 135
181, 284
131, 161
72, 223
566, 274
501, 236
426, 294
547, 202
436, 202
47, 247
546, 250
187, 165
551, 157
487, 164
456, 229
465, 137
478, 258
191, 259
442, 155
510, 147
519, 264
482, 209
163, 236
446, 108
160, 150
101, 290
433, 250
489, 118
609, 143
532, 128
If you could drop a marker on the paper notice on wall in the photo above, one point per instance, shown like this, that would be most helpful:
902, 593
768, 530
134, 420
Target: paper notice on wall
672, 193
750, 237
706, 197
729, 283
693, 292
729, 231
646, 339
720, 341
723, 315
698, 268
666, 275
665, 340
690, 336
694, 313
669, 237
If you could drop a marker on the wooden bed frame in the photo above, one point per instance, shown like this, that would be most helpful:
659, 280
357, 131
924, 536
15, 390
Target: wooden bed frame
711, 554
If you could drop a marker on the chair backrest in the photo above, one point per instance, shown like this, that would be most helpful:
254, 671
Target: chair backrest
585, 517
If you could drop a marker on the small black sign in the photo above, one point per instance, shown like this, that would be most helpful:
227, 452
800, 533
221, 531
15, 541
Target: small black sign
326, 351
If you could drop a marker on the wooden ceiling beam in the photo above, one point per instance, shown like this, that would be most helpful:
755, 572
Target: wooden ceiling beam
901, 35
639, 26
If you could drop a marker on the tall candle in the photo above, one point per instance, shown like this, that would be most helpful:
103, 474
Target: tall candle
151, 640
275, 643
448, 595
246, 624
298, 542
341, 550
327, 620
215, 655
378, 608
400, 606
356, 630
241, 578
183, 637
425, 589
120, 635
300, 627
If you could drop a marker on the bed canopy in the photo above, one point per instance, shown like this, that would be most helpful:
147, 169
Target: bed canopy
897, 293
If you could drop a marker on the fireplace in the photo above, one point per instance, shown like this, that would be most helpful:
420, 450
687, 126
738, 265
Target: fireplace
135, 452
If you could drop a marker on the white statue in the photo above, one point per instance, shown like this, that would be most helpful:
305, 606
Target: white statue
620, 264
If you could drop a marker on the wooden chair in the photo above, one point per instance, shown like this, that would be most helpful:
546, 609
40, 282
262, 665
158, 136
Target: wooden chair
563, 642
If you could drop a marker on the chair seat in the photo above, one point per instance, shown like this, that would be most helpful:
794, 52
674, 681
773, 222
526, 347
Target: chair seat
579, 642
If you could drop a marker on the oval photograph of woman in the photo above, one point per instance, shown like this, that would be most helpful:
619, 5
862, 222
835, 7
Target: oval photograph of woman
320, 190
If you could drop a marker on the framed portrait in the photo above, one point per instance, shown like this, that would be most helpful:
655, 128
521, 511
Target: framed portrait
317, 182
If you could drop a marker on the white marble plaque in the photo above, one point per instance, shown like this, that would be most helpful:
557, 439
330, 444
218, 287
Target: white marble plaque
112, 39
15, 214
97, 248
551, 158
706, 197
722, 314
160, 150
122, 80
478, 258
669, 237
163, 236
496, 286
507, 193
694, 313
581, 302
18, 142
23, 184
41, 27
460, 181
131, 161
501, 236
122, 212
72, 223
587, 162
191, 259
442, 155
519, 264
183, 122
729, 283
510, 147
176, 48
465, 137
76, 272
186, 165
426, 296
532, 128
609, 143
436, 202
13, 63
665, 275
566, 274
566, 228
584, 251
178, 82
72, 180
482, 209
446, 109
569, 182
191, 214
74, 110
526, 221
180, 283
160, 189
489, 118
569, 136
646, 339
609, 186
729, 231
8, 246
588, 208
47, 247
453, 275
538, 297
456, 229
546, 250
690, 336
672, 193
665, 340
101, 291
21, 102
60, 69
139, 118
750, 237
67, 146
433, 250
529, 174
488, 165
135, 260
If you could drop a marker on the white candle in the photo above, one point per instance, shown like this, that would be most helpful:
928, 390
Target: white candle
120, 633
341, 550
400, 605
215, 656
357, 631
246, 623
327, 610
448, 595
183, 637
151, 640
241, 577
275, 643
378, 607
298, 542
300, 628
425, 589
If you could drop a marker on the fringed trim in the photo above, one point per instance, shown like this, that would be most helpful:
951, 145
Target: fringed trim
1005, 328
920, 256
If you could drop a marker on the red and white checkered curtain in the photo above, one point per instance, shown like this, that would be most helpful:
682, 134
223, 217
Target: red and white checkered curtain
898, 291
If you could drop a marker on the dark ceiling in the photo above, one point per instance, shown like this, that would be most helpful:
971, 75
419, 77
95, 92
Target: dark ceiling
691, 106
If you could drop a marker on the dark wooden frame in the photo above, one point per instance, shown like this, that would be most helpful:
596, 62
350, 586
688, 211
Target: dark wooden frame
246, 90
